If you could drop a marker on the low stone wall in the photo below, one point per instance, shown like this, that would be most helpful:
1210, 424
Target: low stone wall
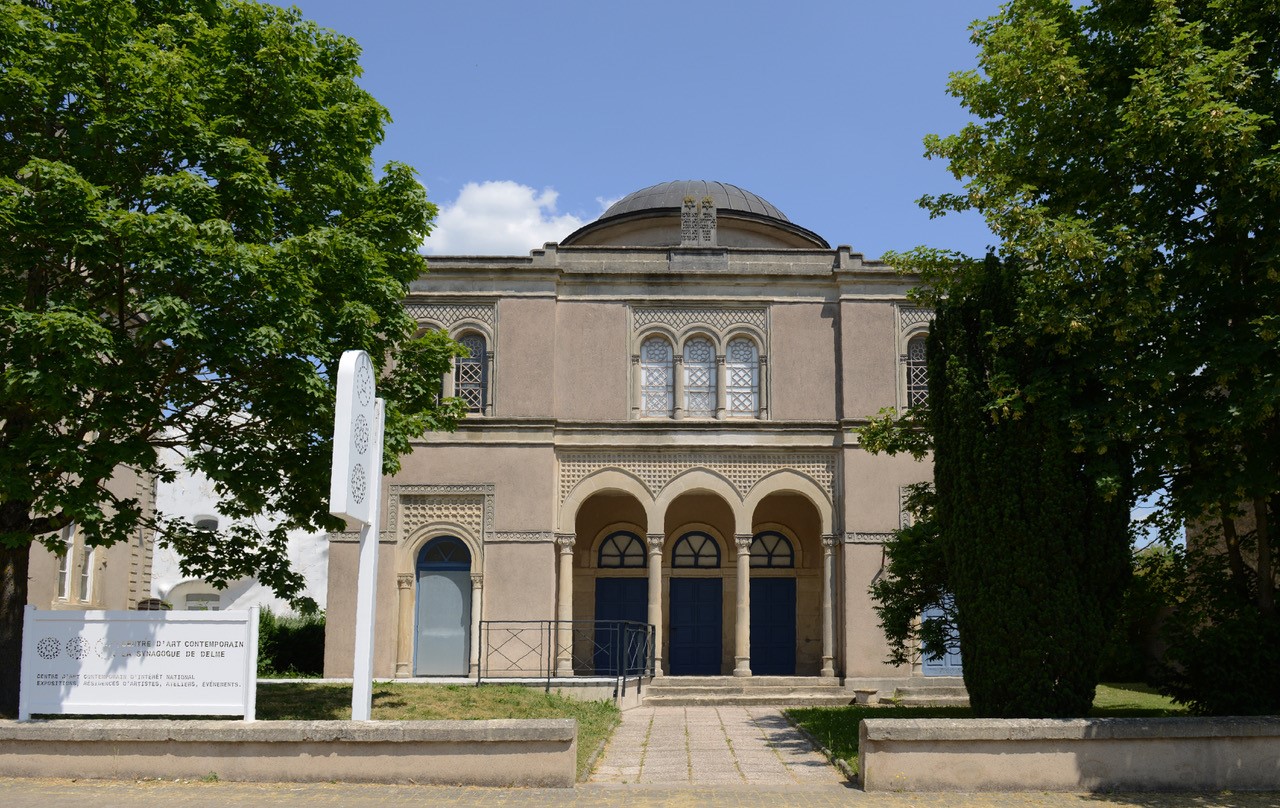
1086, 754
487, 753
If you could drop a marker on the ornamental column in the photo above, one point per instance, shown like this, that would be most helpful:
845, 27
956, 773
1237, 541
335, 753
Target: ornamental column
404, 645
637, 389
449, 388
488, 383
722, 381
828, 605
742, 634
678, 405
655, 542
564, 607
477, 586
764, 388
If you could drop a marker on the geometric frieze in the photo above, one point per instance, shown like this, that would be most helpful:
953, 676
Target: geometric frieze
446, 314
656, 469
679, 318
909, 316
469, 506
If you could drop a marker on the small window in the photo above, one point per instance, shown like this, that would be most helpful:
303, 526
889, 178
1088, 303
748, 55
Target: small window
696, 550
444, 553
772, 550
64, 561
471, 374
204, 602
656, 378
86, 573
742, 367
622, 550
699, 378
917, 373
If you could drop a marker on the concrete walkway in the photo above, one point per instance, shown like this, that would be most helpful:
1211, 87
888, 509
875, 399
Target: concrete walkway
711, 746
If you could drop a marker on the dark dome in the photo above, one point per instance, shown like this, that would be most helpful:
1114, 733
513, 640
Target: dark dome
672, 195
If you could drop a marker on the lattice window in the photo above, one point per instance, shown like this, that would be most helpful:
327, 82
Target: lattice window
622, 549
699, 378
444, 553
471, 374
771, 549
656, 378
696, 550
742, 366
917, 373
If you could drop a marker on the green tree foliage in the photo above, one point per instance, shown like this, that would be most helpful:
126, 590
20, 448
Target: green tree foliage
1028, 535
1130, 151
193, 233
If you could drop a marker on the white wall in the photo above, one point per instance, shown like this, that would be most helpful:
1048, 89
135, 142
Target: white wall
191, 496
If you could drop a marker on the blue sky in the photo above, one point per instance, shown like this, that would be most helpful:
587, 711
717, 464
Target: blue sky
524, 118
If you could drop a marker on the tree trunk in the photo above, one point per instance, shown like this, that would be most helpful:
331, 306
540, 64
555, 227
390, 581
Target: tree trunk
14, 562
1234, 559
1266, 587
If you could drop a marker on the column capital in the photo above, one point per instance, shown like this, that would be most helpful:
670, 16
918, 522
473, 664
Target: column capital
565, 541
656, 541
764, 360
743, 540
720, 359
635, 358
678, 358
477, 580
829, 541
404, 580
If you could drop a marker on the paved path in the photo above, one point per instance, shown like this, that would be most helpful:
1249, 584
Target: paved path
61, 793
710, 746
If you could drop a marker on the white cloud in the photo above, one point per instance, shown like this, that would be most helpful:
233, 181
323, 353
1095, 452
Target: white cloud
498, 218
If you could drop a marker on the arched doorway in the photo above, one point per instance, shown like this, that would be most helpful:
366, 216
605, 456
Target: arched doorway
443, 616
773, 605
696, 606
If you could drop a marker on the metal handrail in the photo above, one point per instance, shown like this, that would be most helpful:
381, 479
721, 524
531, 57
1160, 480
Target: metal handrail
619, 649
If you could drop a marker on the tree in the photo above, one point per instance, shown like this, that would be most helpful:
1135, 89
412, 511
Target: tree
193, 233
1023, 540
1130, 150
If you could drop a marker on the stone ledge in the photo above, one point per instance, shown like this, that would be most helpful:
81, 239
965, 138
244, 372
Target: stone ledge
539, 752
1090, 754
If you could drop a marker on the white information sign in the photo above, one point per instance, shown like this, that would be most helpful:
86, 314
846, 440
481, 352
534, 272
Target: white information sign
351, 479
139, 663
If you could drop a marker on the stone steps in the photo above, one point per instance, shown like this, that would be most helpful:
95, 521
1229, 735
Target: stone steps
748, 700
778, 691
931, 696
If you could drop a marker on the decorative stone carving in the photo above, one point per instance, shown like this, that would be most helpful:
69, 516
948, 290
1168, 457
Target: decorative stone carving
680, 318
448, 314
477, 580
707, 223
743, 542
656, 469
656, 542
698, 222
910, 315
412, 506
565, 542
512, 536
867, 538
404, 580
829, 540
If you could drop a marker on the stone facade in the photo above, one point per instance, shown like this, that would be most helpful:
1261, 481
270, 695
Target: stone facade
637, 382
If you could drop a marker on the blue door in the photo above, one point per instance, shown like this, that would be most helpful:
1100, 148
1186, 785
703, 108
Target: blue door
773, 626
946, 665
620, 599
695, 626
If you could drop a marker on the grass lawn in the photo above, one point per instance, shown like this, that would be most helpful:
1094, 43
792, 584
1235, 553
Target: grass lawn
837, 727
403, 702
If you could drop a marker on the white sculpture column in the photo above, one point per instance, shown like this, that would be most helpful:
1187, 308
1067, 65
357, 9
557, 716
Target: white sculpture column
564, 610
742, 634
477, 586
764, 388
828, 605
655, 542
404, 646
722, 383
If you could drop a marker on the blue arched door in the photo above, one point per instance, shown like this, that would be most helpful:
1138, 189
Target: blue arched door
443, 615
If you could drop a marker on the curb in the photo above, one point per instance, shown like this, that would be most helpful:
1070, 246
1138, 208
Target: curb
843, 767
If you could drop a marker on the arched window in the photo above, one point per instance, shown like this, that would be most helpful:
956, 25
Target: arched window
656, 378
444, 553
917, 373
622, 549
696, 550
699, 378
471, 374
742, 363
773, 550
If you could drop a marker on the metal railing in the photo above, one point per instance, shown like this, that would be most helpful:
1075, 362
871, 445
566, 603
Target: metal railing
621, 650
